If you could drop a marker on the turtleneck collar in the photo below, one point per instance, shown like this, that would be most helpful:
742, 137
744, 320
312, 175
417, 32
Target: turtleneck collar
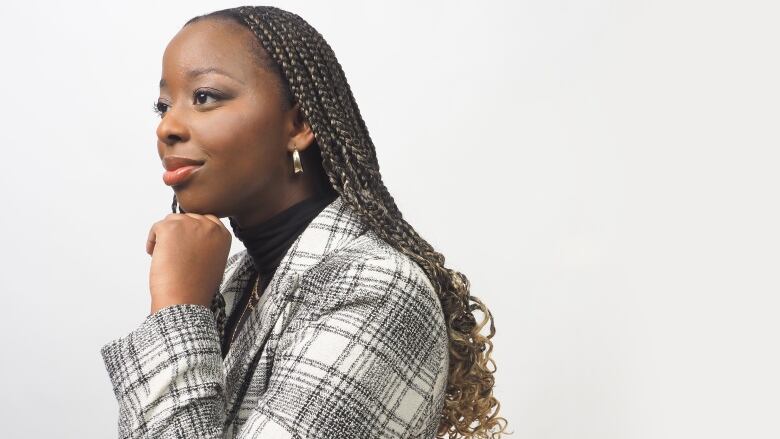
268, 242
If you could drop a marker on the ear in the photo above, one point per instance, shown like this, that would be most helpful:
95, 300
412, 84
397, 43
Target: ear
301, 134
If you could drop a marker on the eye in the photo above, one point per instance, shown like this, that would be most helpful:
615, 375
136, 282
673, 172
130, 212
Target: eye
161, 108
158, 108
200, 93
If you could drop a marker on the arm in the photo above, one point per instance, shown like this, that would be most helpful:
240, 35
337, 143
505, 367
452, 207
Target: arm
369, 362
167, 376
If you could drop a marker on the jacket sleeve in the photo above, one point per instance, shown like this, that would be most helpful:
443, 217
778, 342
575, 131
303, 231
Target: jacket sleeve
167, 376
369, 362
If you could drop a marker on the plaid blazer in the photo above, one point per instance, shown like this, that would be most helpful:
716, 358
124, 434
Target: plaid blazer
348, 341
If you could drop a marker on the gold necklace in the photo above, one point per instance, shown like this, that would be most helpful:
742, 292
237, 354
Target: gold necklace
250, 305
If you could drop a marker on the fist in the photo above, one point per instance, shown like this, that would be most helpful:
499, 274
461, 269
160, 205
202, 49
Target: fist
189, 252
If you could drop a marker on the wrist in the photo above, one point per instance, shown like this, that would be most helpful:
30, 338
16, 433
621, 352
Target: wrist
159, 304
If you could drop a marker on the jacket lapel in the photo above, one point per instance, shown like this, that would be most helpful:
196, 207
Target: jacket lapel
334, 227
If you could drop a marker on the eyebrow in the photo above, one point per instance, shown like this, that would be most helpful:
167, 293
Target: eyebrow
202, 71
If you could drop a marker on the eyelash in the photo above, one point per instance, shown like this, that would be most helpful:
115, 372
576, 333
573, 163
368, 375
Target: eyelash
161, 113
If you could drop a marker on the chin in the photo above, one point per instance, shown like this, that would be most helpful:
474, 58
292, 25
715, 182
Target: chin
194, 204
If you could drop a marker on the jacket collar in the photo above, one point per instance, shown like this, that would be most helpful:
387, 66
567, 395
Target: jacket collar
333, 228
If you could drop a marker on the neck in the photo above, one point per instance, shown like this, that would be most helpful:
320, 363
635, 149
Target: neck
268, 241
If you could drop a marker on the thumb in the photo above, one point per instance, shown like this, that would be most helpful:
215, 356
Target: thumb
214, 218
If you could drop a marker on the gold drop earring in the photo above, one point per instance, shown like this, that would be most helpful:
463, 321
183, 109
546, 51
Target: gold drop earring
297, 161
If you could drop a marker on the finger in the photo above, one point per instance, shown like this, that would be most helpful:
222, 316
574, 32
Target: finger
151, 239
215, 219
208, 216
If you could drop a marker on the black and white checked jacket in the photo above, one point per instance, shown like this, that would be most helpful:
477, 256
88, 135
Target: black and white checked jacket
348, 341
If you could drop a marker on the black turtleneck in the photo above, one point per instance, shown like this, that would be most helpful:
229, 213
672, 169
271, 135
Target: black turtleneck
268, 242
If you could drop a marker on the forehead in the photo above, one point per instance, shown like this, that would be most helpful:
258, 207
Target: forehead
209, 45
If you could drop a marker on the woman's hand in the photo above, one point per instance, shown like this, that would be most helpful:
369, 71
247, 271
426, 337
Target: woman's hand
189, 252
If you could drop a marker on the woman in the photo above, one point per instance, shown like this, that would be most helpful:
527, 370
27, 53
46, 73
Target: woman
338, 320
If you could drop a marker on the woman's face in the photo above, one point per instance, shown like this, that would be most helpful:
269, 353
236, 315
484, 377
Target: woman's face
220, 107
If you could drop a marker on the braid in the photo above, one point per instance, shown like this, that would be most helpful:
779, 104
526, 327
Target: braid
312, 76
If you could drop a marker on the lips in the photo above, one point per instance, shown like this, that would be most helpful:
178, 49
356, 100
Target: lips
172, 162
179, 169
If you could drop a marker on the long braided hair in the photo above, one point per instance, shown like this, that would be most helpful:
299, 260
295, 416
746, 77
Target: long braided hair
310, 75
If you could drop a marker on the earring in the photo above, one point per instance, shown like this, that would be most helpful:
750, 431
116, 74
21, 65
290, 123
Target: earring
297, 161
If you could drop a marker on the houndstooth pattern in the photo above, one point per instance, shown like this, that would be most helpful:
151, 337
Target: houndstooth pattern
347, 341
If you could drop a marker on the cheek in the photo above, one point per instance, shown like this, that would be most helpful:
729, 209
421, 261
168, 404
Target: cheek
240, 127
244, 145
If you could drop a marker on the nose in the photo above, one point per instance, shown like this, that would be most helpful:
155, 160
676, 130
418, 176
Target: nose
172, 128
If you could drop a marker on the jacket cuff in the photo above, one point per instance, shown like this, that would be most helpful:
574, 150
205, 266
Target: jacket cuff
170, 345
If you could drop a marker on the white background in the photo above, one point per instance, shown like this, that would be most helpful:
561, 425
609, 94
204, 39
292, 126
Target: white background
604, 172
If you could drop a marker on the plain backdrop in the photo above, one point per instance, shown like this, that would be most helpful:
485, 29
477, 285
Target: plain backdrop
604, 172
